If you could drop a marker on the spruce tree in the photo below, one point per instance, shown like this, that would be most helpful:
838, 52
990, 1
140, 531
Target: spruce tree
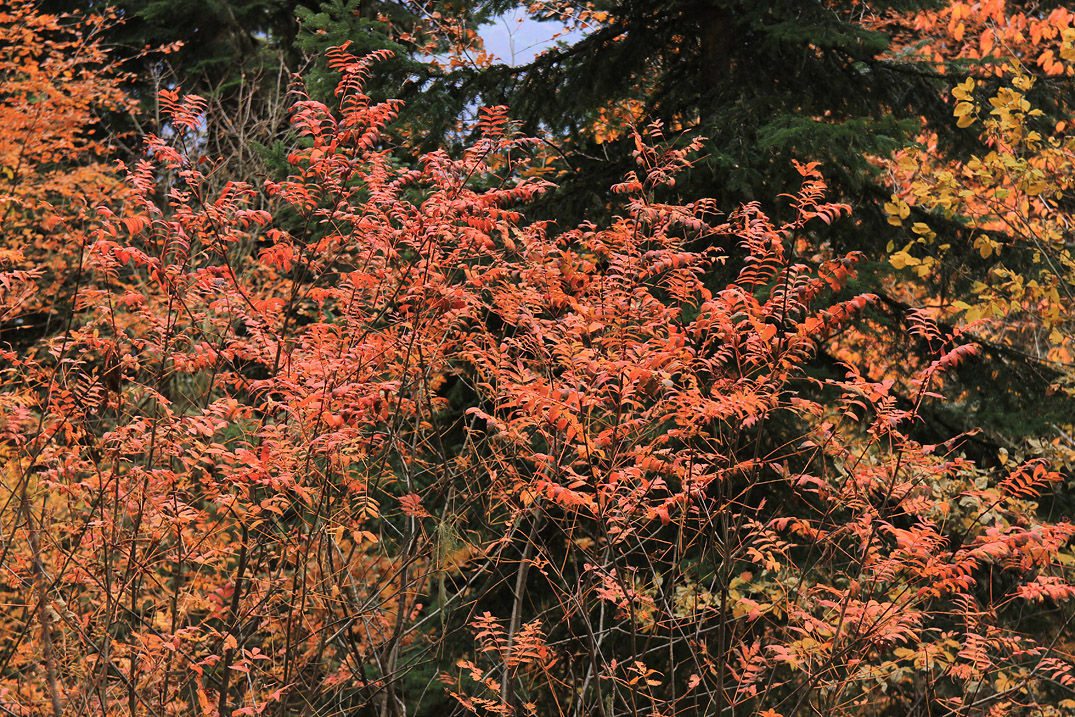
768, 82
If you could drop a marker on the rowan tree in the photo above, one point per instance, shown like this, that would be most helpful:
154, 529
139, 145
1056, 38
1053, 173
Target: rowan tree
237, 492
385, 445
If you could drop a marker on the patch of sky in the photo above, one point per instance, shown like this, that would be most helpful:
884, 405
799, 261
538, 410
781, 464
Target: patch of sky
515, 38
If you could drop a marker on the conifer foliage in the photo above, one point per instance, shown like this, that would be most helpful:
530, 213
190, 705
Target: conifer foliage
388, 447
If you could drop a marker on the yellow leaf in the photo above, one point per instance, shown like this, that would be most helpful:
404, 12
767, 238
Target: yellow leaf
1023, 82
964, 108
896, 209
963, 89
902, 259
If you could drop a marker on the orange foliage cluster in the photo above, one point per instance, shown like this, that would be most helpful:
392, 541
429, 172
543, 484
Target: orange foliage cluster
990, 32
56, 79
